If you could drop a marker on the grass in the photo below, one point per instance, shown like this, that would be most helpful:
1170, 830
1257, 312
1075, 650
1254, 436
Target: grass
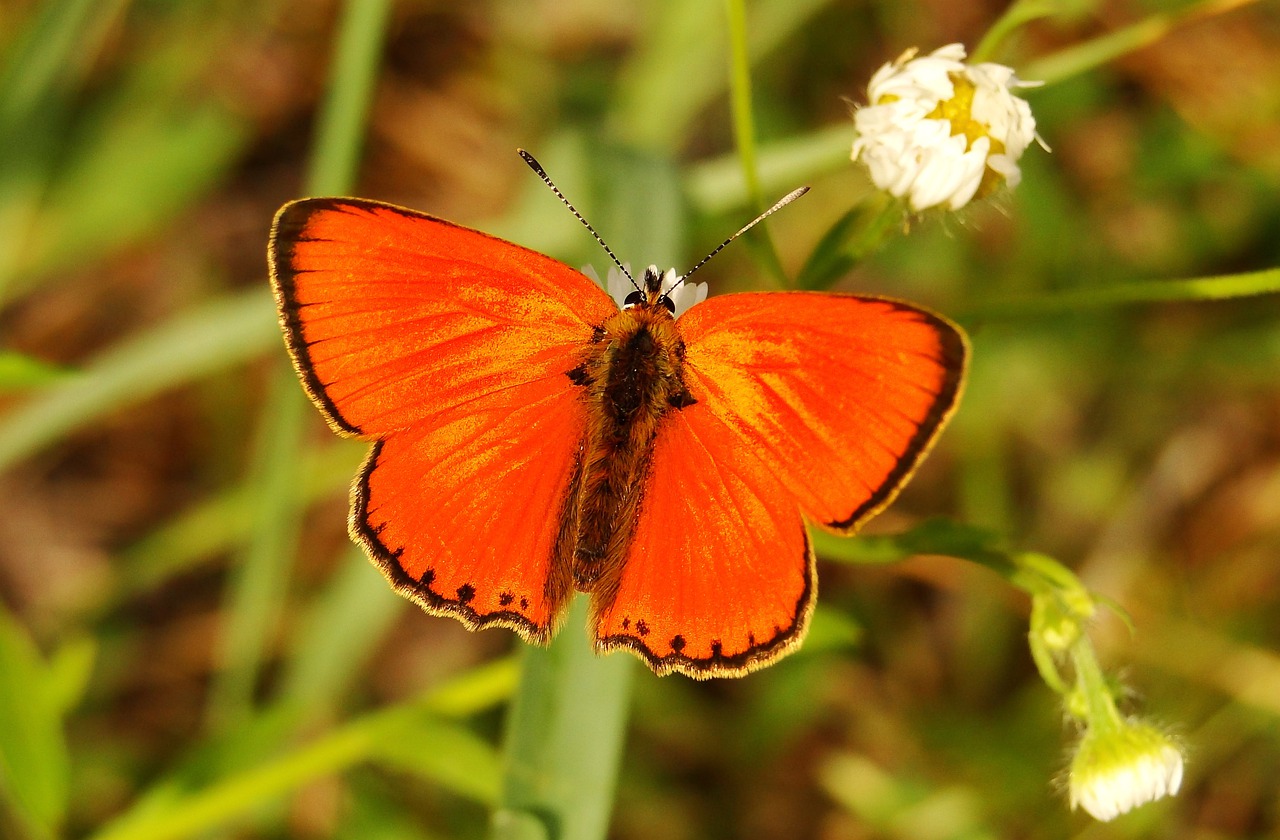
189, 646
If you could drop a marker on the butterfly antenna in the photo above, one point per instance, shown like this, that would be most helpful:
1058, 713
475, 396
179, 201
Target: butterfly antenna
546, 179
782, 202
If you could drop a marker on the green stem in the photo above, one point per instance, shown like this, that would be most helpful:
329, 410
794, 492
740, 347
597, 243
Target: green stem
565, 735
1019, 14
1101, 712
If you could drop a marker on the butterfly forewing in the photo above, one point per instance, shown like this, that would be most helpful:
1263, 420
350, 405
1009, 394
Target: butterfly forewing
393, 315
840, 395
451, 349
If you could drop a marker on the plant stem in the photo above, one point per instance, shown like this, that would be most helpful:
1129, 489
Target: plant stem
1101, 714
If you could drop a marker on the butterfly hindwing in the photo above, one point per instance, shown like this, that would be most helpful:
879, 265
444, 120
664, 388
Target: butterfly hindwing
451, 349
803, 403
719, 578
463, 513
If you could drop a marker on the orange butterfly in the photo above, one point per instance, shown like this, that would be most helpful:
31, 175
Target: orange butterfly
531, 439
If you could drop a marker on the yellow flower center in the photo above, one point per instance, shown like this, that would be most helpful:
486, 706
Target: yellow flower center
958, 110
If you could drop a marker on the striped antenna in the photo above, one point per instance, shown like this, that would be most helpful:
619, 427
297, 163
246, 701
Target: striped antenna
546, 179
782, 202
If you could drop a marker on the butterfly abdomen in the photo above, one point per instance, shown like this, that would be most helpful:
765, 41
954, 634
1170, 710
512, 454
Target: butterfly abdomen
632, 376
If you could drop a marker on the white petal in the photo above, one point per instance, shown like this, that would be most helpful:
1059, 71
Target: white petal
619, 286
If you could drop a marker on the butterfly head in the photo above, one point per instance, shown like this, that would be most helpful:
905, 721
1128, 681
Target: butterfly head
661, 289
653, 290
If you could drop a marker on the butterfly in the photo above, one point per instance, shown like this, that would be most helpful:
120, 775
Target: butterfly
530, 438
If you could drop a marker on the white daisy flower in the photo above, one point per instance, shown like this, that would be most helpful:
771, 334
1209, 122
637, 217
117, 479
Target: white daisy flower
1116, 770
938, 132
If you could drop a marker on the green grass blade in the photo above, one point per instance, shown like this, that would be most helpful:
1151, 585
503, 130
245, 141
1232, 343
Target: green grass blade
565, 736
53, 46
173, 813
210, 338
1218, 287
341, 629
340, 131
225, 521
261, 584
446, 755
1086, 56
717, 186
678, 69
20, 373
258, 586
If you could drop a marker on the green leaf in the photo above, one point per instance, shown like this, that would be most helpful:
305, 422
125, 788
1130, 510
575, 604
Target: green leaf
828, 259
170, 810
69, 670
831, 630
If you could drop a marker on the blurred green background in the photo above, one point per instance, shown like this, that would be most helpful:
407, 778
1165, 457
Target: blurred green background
189, 646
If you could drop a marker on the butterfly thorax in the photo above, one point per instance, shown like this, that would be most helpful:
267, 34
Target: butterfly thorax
632, 377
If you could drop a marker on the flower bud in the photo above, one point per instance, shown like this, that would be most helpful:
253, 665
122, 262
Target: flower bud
1116, 769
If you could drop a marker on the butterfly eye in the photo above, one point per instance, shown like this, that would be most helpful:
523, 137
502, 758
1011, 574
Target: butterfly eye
669, 304
633, 299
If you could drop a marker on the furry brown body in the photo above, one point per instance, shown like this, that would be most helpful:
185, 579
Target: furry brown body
632, 376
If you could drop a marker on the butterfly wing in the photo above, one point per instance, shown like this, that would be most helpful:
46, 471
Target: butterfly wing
450, 349
814, 403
